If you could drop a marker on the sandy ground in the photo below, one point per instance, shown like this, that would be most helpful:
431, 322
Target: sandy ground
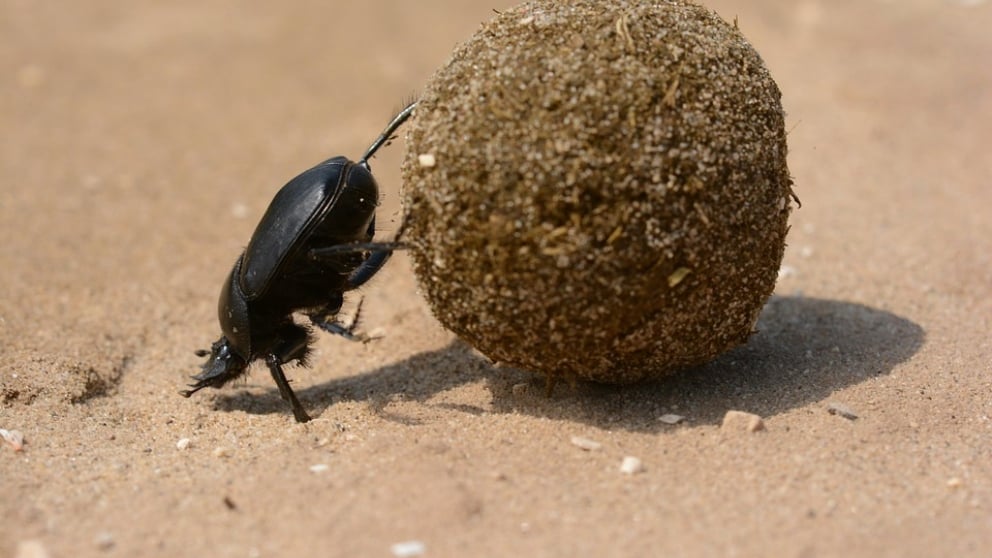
141, 142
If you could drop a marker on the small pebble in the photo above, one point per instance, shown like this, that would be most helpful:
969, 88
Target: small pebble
407, 549
31, 549
586, 443
631, 465
104, 541
671, 419
222, 452
239, 210
739, 420
786, 271
953, 482
519, 389
842, 410
14, 438
319, 468
426, 160
182, 444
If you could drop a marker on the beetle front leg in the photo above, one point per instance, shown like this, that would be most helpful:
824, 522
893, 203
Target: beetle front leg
295, 345
275, 367
369, 267
379, 254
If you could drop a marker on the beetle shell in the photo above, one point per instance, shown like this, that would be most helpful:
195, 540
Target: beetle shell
295, 210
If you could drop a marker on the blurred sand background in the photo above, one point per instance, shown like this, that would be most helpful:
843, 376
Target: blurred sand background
141, 142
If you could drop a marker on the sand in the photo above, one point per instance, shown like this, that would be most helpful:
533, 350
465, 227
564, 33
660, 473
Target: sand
142, 142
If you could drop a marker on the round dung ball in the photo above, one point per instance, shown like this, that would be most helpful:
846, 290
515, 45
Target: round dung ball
599, 189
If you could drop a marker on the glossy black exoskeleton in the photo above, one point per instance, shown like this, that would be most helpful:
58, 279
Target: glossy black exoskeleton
313, 244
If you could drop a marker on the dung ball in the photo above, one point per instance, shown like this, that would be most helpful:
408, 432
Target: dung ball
599, 189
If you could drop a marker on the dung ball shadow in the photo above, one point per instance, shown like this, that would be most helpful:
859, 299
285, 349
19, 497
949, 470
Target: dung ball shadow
805, 349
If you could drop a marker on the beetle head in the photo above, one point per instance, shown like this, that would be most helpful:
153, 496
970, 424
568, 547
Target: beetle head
222, 366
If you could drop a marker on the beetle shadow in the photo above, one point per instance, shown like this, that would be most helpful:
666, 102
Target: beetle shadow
417, 378
805, 349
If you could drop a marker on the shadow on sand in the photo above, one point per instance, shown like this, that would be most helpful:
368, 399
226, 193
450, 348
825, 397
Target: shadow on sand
805, 349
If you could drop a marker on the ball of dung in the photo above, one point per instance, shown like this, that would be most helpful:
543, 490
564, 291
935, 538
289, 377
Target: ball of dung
599, 189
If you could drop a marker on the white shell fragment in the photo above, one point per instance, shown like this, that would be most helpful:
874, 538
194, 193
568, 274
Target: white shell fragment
408, 549
671, 419
183, 443
586, 443
631, 465
320, 468
426, 160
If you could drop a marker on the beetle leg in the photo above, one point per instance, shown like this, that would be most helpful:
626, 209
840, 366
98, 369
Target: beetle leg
387, 134
369, 267
294, 345
355, 248
380, 253
324, 320
344, 331
275, 367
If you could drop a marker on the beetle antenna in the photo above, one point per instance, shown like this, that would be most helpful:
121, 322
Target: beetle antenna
387, 135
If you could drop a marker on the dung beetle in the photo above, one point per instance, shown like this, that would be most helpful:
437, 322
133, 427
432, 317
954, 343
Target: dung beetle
313, 244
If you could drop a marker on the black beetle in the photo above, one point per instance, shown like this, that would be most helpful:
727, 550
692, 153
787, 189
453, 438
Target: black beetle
313, 244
